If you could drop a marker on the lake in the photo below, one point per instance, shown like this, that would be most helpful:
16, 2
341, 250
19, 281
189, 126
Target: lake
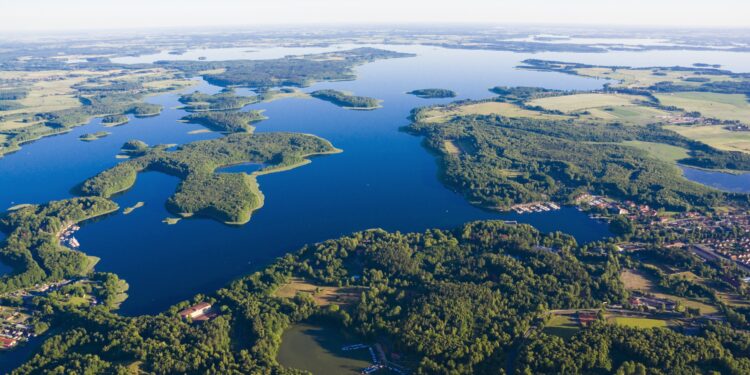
384, 178
735, 183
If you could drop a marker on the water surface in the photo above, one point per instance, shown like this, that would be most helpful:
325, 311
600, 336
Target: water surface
734, 183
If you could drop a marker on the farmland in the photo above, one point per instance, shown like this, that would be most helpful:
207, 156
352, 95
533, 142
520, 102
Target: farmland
715, 136
732, 107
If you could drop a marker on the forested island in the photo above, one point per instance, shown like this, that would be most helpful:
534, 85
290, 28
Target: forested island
346, 100
227, 197
288, 71
90, 137
223, 101
115, 120
433, 93
227, 122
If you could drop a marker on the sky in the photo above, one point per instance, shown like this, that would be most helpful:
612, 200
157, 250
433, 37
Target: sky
51, 15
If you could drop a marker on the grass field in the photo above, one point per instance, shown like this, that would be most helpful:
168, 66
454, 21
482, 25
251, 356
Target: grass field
579, 102
636, 280
715, 136
440, 114
633, 114
721, 106
733, 299
564, 326
646, 77
451, 147
639, 322
317, 349
660, 151
322, 295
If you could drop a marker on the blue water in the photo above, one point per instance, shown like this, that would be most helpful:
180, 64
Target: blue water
735, 183
384, 178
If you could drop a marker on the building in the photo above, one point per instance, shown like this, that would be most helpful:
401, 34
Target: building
7, 342
201, 311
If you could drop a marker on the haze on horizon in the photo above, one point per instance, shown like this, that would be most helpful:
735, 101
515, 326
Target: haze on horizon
56, 15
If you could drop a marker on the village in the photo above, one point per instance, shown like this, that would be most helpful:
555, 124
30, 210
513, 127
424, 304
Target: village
17, 324
724, 235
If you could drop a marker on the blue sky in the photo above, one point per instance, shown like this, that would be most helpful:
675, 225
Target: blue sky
23, 15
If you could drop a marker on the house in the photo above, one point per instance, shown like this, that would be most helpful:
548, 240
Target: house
7, 342
201, 311
585, 318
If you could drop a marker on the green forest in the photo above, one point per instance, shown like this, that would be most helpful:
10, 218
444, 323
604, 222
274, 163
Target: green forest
227, 122
346, 100
32, 247
508, 161
287, 71
433, 93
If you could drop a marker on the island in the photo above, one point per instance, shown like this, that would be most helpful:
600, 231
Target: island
433, 93
90, 137
75, 97
222, 101
227, 197
287, 71
115, 120
129, 210
227, 122
346, 100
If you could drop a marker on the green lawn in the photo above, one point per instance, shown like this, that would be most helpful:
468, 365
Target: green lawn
563, 326
640, 322
660, 151
715, 136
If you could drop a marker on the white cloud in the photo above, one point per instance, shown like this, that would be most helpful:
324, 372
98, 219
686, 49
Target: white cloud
17, 15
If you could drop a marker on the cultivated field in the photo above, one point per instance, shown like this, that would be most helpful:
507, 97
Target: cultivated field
441, 114
647, 77
720, 106
580, 102
715, 136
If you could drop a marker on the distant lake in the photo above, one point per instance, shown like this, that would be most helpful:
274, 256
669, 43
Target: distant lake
735, 183
384, 178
